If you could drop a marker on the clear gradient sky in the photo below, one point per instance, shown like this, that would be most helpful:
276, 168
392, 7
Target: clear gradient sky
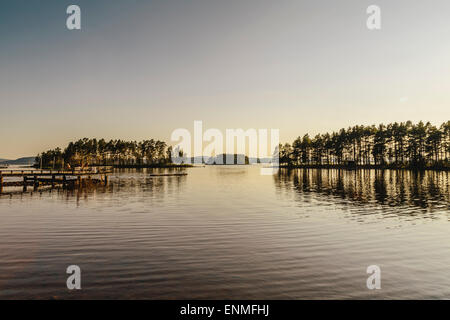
140, 69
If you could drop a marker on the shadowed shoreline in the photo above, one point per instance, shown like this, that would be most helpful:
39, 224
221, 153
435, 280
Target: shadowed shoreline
359, 167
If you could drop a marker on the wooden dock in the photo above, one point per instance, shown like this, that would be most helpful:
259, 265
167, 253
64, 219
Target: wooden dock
65, 178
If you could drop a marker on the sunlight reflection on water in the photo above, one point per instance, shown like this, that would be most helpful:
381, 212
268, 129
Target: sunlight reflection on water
228, 232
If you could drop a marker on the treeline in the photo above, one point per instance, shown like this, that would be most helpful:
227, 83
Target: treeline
397, 145
394, 145
86, 152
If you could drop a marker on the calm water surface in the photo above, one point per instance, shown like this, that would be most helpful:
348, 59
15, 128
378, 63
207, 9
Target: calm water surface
230, 233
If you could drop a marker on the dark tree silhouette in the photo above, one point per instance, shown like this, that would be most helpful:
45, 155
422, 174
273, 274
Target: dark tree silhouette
400, 145
394, 145
114, 152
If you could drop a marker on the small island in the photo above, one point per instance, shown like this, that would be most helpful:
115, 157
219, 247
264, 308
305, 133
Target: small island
115, 153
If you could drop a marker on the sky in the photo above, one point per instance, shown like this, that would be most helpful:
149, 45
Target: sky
141, 69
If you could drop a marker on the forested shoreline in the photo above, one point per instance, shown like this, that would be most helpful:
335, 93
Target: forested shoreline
396, 145
92, 152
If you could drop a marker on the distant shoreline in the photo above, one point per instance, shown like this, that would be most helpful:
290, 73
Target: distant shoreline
132, 166
151, 166
357, 167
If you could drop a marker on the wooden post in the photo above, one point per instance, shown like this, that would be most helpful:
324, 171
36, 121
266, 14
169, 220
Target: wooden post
25, 182
1, 182
53, 181
106, 180
36, 183
64, 181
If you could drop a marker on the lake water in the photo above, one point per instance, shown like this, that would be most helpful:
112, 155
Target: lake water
227, 232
